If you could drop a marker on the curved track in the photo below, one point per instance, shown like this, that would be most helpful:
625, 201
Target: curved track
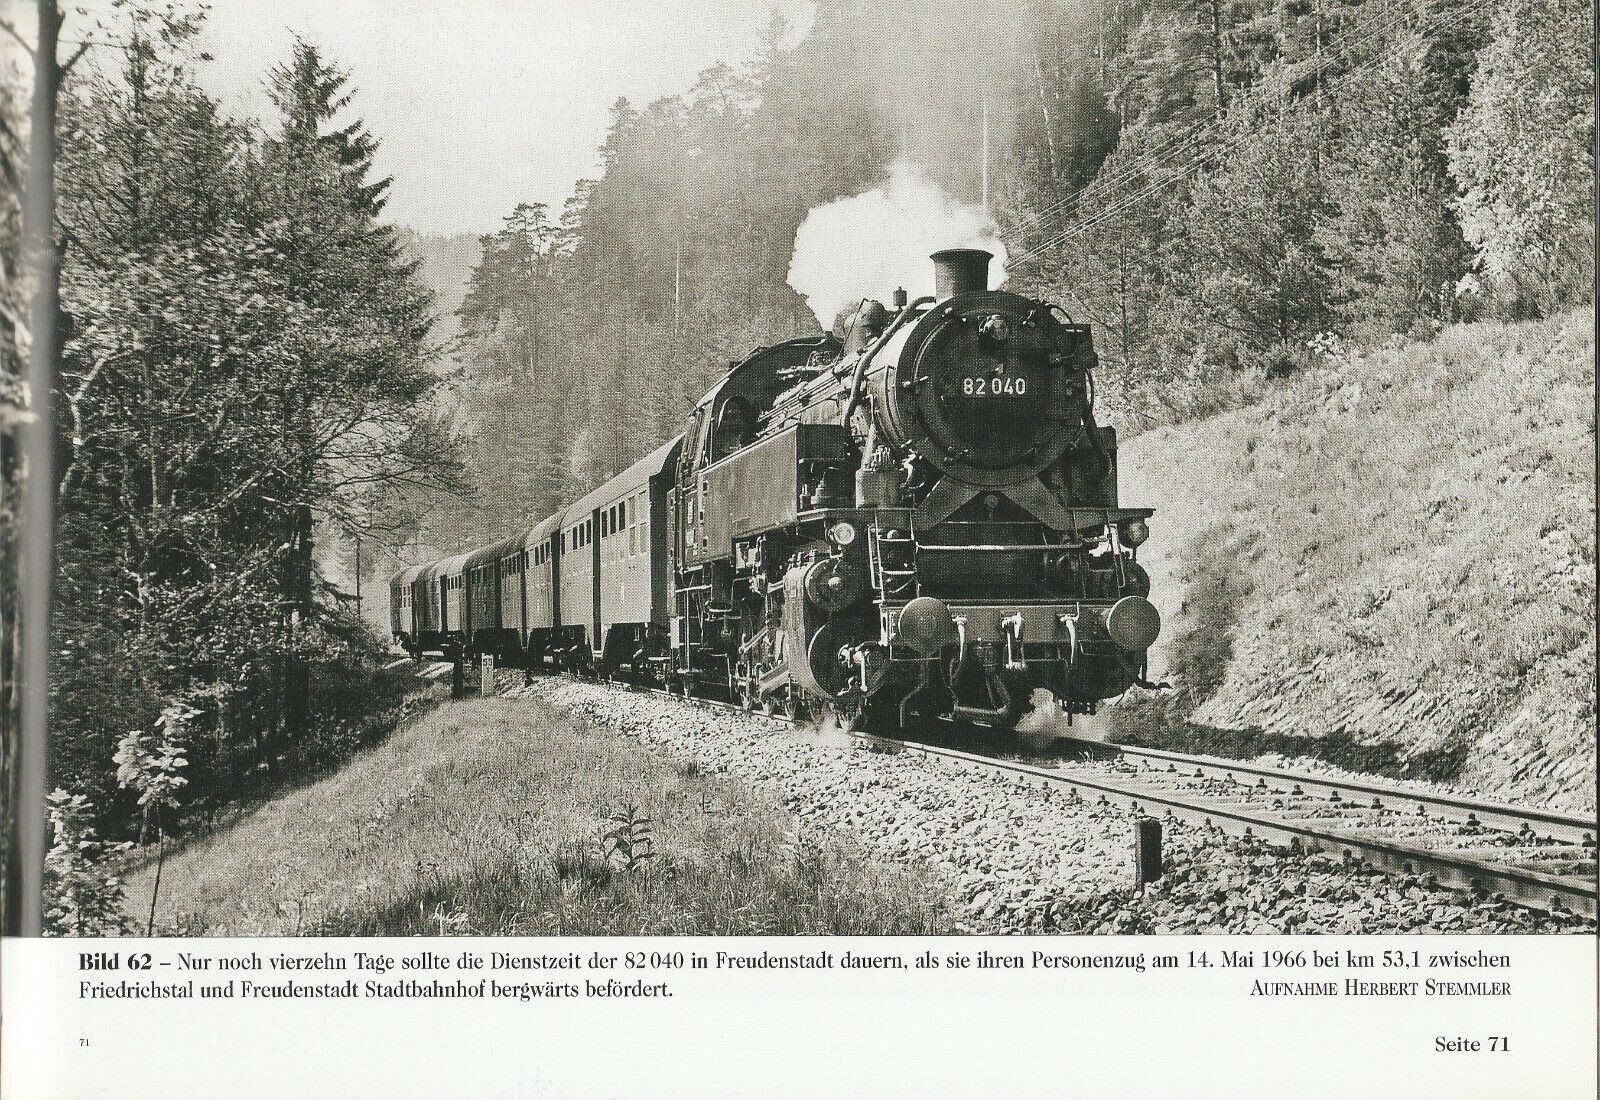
1538, 857
1530, 855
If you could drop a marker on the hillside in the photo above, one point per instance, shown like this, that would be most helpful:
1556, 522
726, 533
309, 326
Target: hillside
495, 817
1388, 564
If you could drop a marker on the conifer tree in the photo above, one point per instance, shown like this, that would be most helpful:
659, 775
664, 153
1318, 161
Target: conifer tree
1523, 153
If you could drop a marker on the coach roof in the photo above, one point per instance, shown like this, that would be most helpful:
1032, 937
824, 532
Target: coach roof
538, 533
491, 552
651, 465
405, 576
451, 567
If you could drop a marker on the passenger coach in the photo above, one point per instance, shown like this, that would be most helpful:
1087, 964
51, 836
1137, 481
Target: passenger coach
588, 588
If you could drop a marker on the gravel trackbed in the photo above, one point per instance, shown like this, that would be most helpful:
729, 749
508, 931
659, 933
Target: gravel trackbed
1027, 859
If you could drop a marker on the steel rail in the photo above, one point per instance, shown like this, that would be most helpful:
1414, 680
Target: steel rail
1464, 869
1532, 888
1572, 828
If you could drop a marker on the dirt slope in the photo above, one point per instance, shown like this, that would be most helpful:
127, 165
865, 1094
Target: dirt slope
1389, 564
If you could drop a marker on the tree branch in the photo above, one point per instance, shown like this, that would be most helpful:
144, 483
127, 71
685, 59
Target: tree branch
12, 31
73, 60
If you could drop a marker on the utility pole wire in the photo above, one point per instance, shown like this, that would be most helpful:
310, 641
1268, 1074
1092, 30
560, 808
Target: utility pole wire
1121, 204
1192, 136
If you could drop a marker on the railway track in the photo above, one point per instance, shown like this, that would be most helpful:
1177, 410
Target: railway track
1537, 857
1529, 855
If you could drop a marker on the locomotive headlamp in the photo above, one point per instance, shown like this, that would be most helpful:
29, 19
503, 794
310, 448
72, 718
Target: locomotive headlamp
842, 533
996, 328
1135, 532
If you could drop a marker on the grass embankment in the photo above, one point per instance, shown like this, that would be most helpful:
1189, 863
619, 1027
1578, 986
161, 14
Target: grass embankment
1388, 563
487, 817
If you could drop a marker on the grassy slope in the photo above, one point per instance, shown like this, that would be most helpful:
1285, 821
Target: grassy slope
484, 817
1389, 563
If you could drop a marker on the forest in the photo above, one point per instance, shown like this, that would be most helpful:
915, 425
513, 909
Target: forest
1220, 187
260, 372
245, 370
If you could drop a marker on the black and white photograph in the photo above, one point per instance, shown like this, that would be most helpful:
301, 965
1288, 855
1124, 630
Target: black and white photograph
1097, 471
872, 487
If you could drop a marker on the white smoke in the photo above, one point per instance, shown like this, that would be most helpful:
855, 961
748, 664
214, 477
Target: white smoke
1045, 723
867, 245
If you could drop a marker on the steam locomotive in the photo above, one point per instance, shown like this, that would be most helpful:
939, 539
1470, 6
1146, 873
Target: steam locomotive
914, 515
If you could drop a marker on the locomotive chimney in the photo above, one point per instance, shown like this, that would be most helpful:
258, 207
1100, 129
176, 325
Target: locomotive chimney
960, 271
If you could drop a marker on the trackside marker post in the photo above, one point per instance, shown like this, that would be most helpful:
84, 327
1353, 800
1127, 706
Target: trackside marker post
1146, 851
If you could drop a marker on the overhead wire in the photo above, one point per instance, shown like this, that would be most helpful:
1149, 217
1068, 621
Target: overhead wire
1124, 202
1359, 38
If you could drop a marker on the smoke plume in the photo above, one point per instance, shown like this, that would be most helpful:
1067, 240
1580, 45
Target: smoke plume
1045, 723
867, 245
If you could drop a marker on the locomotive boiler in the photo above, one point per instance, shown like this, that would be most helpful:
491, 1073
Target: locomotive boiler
916, 514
